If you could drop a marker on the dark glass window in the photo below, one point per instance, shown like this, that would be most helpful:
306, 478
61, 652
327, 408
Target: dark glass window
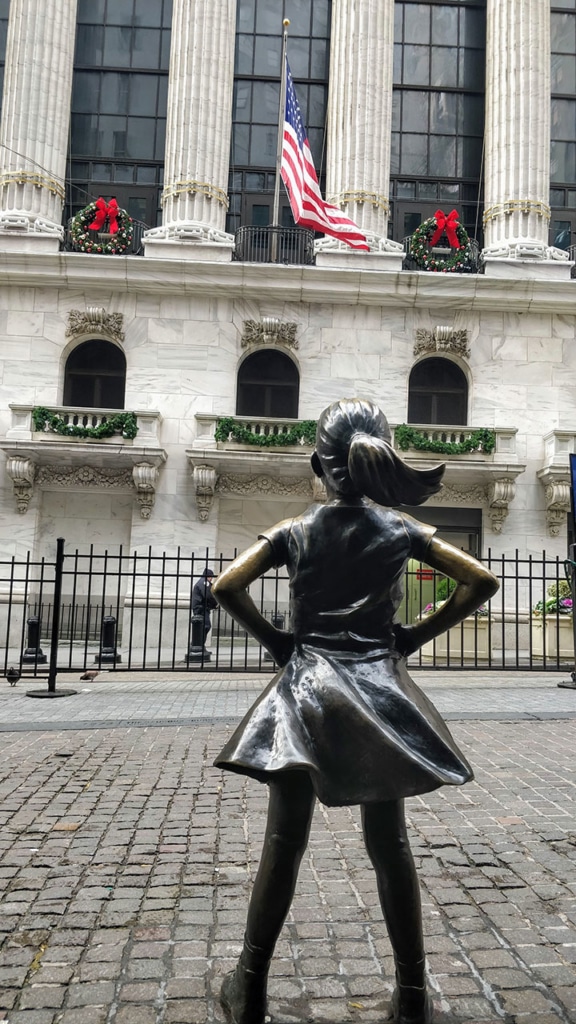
437, 393
268, 385
563, 123
95, 376
257, 93
119, 101
438, 109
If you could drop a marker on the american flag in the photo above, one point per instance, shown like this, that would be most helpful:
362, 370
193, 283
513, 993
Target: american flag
297, 171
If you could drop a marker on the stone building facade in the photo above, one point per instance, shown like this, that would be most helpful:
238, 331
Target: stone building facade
186, 334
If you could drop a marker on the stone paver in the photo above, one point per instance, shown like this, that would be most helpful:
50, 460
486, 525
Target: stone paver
126, 859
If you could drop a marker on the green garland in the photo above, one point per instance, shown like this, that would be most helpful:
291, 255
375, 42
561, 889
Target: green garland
303, 433
482, 440
124, 423
460, 260
84, 240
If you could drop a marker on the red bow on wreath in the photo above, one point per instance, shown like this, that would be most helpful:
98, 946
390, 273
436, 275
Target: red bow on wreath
446, 224
105, 210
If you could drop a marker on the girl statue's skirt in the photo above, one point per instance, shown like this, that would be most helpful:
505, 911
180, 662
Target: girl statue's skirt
357, 723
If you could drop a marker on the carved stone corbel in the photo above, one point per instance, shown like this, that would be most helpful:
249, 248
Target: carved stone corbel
557, 492
205, 479
145, 477
442, 339
269, 331
22, 472
500, 494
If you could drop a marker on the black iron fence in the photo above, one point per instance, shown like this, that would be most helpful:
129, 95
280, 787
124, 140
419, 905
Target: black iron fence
133, 611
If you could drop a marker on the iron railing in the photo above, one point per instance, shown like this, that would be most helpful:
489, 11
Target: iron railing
274, 245
132, 611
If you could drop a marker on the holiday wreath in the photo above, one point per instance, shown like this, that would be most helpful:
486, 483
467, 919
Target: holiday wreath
94, 217
430, 232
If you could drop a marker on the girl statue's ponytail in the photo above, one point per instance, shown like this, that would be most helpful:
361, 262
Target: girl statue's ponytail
355, 456
379, 473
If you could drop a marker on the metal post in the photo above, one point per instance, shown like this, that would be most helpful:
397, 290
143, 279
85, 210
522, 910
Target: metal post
279, 143
53, 665
34, 652
197, 650
108, 650
570, 570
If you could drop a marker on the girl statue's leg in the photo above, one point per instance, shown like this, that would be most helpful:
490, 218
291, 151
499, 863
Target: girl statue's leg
290, 808
388, 847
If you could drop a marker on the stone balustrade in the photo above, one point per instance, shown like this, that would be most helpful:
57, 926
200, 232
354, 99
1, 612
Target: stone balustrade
23, 428
206, 424
505, 438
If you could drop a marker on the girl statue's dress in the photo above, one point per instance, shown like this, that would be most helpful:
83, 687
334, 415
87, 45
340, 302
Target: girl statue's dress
342, 720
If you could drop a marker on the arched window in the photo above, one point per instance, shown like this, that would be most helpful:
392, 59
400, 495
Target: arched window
268, 385
95, 376
438, 393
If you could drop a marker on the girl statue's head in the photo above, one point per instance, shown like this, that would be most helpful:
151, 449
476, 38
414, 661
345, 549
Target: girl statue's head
355, 457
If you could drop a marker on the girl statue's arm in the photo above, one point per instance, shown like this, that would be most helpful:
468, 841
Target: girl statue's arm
230, 589
474, 585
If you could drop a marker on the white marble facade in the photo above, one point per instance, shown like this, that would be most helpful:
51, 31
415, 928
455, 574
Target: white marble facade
355, 334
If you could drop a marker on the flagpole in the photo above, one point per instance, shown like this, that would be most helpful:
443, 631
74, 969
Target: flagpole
281, 114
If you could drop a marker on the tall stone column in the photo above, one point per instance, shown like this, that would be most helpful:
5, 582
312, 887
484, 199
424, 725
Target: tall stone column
200, 88
35, 123
517, 175
360, 122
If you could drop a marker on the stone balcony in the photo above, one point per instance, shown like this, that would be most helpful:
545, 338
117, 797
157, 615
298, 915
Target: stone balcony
476, 478
45, 457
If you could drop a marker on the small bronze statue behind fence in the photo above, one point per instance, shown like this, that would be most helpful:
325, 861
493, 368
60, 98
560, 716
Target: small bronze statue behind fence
342, 720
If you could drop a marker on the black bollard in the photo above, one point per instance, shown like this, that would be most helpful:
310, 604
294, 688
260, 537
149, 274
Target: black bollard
197, 651
34, 652
108, 650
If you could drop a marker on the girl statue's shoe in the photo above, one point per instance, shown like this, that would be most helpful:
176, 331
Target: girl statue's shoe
243, 992
411, 1005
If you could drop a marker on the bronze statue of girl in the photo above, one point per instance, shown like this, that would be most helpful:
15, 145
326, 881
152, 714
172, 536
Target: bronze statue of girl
342, 720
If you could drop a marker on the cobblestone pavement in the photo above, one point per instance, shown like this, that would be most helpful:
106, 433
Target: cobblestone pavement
126, 861
124, 698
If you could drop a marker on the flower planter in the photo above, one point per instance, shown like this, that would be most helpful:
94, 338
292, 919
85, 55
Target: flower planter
555, 635
467, 642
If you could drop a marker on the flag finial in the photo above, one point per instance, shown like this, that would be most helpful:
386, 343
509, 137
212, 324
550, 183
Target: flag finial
286, 22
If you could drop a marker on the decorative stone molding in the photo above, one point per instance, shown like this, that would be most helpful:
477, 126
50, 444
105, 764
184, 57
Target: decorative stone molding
22, 177
269, 331
145, 477
204, 478
495, 498
95, 320
377, 243
556, 483
556, 517
22, 473
262, 485
85, 476
191, 231
442, 339
461, 496
500, 494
